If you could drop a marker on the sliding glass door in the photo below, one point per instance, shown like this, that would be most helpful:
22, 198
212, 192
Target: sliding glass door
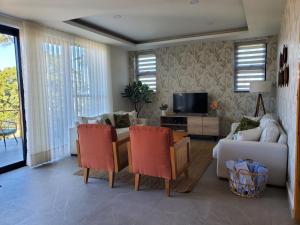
12, 122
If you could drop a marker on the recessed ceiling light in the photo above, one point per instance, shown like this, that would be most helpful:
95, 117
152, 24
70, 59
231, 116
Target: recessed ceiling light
192, 2
117, 16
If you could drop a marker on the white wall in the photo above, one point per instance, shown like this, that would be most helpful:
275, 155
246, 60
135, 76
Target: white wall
287, 96
119, 77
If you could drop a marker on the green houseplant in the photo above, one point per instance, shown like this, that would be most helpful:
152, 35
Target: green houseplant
138, 94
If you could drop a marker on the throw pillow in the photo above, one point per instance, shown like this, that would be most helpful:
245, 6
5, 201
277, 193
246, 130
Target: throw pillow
107, 121
270, 133
122, 121
253, 118
109, 116
246, 124
249, 135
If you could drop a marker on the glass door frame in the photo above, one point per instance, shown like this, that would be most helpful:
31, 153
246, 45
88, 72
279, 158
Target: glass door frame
15, 32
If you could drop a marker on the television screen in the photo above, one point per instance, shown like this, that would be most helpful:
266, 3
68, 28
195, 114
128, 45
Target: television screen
190, 103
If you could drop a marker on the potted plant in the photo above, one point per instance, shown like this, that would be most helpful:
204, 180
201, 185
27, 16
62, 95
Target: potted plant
138, 94
163, 109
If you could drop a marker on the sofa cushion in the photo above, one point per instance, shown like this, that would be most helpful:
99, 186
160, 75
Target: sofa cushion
249, 135
246, 124
282, 139
270, 133
89, 119
121, 121
268, 118
122, 132
109, 116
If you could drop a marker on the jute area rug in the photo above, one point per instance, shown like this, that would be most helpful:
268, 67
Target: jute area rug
200, 155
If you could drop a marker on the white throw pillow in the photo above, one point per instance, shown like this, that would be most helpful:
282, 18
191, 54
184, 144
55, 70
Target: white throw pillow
249, 135
86, 119
270, 133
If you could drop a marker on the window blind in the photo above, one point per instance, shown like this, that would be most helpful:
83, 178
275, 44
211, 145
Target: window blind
250, 64
146, 69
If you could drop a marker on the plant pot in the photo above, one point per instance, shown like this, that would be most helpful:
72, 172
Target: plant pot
163, 112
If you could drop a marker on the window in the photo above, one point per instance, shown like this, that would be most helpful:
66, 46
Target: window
146, 69
250, 64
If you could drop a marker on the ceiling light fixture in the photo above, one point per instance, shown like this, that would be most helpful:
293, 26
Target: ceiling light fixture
117, 16
192, 2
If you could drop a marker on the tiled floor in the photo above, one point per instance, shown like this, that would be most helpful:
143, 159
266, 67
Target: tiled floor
12, 153
52, 195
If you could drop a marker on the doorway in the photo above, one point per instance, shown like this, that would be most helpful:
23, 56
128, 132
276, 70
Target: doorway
12, 113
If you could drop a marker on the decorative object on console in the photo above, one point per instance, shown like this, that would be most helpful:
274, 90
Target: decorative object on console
260, 87
139, 94
214, 107
283, 74
163, 109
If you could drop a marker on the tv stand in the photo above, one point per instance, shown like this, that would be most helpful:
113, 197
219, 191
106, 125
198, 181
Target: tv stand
192, 124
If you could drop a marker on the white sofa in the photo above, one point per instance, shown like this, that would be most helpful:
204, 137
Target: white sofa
272, 154
121, 132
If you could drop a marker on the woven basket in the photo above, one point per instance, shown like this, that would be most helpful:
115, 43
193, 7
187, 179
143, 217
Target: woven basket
247, 190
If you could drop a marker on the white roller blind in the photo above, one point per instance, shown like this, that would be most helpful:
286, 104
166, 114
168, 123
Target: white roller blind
250, 64
146, 69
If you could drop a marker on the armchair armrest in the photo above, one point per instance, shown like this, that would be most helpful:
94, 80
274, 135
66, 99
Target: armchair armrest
180, 157
120, 154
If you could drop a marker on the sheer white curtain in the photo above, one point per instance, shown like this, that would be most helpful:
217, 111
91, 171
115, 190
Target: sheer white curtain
64, 77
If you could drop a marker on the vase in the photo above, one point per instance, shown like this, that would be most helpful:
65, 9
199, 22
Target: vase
163, 112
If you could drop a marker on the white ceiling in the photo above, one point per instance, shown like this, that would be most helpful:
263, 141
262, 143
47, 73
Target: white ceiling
152, 22
164, 20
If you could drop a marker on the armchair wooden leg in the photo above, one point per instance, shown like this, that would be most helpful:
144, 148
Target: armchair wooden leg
186, 173
168, 187
111, 176
86, 172
137, 182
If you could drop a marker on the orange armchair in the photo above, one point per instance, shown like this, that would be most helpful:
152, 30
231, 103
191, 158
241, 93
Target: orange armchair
99, 149
152, 152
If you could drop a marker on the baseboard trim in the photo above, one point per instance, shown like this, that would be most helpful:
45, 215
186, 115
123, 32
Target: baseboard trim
290, 199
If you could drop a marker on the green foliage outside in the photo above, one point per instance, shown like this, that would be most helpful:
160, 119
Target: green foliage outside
9, 98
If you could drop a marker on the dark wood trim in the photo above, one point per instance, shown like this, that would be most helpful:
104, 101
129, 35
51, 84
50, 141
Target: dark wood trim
297, 161
100, 29
15, 32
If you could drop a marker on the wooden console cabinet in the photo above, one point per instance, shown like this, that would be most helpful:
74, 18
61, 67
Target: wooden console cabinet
194, 125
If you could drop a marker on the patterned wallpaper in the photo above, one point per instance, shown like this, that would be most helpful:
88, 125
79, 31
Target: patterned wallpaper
206, 66
287, 96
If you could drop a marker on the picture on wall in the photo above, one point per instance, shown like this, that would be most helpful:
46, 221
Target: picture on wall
283, 74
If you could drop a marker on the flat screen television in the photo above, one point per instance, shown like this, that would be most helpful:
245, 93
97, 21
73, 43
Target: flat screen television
190, 103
